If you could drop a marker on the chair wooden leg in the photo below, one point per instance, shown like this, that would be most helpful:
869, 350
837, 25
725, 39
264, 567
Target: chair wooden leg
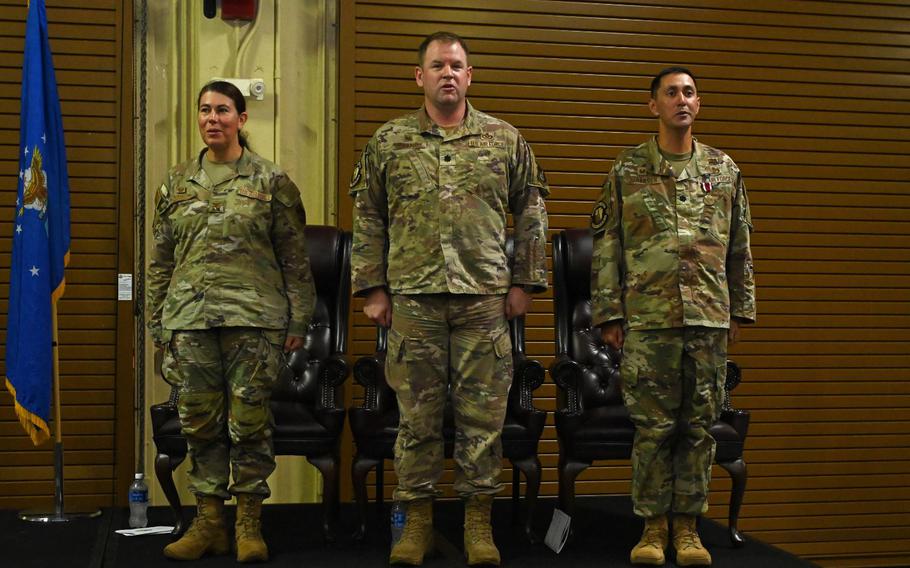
516, 494
568, 470
380, 487
738, 475
164, 471
327, 464
530, 466
359, 470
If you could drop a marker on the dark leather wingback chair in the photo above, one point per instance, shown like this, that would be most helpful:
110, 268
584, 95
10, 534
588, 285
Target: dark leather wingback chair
375, 425
591, 421
307, 403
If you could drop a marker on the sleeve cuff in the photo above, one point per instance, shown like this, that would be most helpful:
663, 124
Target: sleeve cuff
297, 329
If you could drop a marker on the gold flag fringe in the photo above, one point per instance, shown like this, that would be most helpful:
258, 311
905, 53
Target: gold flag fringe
35, 426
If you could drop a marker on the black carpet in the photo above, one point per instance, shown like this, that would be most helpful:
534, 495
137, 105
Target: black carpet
605, 531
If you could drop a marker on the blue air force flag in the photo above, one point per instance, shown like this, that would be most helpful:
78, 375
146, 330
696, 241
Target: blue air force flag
41, 233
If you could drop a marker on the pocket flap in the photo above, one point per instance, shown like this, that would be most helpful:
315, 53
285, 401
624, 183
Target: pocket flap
395, 348
502, 345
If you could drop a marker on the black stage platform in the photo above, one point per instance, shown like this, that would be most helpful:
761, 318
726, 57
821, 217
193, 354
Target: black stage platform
605, 531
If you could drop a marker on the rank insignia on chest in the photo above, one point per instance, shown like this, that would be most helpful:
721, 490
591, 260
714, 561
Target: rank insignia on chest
600, 216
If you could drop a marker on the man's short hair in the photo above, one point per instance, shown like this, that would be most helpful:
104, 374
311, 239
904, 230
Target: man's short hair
444, 37
655, 82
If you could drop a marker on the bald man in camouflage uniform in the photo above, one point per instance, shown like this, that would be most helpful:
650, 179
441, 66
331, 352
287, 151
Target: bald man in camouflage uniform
671, 282
229, 288
431, 194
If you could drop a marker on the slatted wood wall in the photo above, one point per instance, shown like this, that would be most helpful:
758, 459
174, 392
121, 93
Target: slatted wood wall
810, 98
88, 42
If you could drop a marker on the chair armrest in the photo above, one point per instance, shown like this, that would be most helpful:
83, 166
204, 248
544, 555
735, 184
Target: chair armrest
297, 361
161, 412
528, 376
733, 378
567, 373
171, 402
369, 372
738, 420
336, 370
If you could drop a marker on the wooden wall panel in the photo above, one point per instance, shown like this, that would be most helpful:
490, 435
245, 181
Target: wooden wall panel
810, 98
95, 84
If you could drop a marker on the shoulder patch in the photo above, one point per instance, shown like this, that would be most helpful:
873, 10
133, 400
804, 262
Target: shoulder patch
541, 175
358, 173
286, 193
600, 215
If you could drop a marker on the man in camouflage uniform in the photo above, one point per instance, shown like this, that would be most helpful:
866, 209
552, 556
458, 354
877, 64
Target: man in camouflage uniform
229, 289
431, 194
671, 282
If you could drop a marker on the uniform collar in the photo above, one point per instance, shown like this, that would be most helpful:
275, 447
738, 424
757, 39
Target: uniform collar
197, 174
660, 166
469, 126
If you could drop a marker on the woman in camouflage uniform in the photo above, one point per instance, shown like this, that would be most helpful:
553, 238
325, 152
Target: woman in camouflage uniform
229, 292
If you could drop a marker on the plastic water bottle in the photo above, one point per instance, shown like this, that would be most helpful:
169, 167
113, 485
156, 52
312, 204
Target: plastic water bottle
399, 516
139, 502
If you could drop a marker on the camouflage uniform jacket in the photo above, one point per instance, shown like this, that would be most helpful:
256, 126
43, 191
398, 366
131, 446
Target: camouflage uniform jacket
672, 252
229, 255
430, 208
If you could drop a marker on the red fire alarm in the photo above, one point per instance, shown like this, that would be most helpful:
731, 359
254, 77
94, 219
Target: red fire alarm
238, 9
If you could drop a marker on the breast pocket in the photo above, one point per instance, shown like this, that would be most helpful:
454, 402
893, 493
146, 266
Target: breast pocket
250, 201
187, 213
408, 176
481, 175
642, 214
247, 212
715, 215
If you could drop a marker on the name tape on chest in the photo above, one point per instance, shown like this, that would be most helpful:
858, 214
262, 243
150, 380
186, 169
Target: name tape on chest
486, 140
250, 192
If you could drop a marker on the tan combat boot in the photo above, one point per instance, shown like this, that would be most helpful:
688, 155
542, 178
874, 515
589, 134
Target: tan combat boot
478, 532
654, 540
689, 550
207, 533
417, 536
248, 529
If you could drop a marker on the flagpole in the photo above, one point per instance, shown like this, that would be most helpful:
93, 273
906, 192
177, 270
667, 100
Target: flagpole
42, 237
59, 514
58, 413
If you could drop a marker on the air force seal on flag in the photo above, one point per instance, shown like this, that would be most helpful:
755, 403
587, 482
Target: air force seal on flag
34, 192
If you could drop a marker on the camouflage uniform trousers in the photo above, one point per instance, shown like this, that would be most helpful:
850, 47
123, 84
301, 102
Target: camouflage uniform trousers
225, 377
444, 345
673, 385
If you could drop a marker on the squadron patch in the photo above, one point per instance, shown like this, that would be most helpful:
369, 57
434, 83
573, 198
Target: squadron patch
541, 175
358, 172
600, 216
